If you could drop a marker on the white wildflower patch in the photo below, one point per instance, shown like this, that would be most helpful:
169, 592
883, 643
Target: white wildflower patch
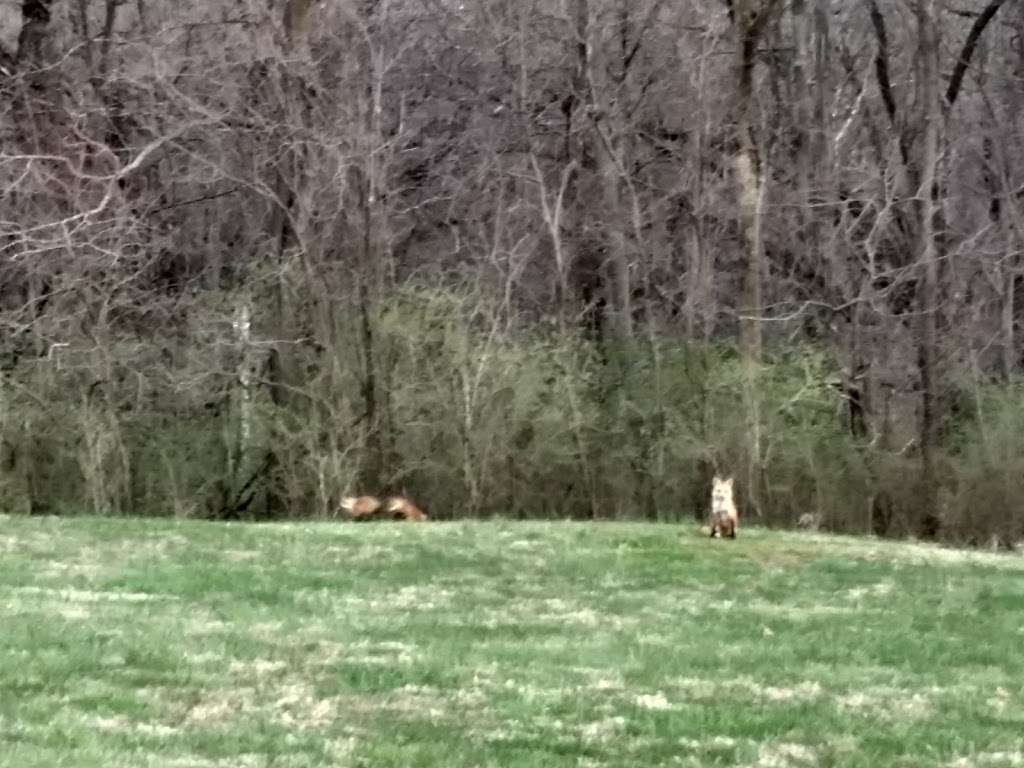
511, 730
525, 545
157, 730
88, 595
297, 707
584, 617
74, 612
364, 553
217, 708
656, 640
549, 725
203, 657
531, 693
856, 701
498, 735
81, 567
655, 701
415, 596
342, 747
470, 698
266, 629
990, 760
341, 750
697, 687
603, 730
674, 605
292, 704
121, 724
722, 742
257, 667
1000, 700
800, 612
915, 553
890, 704
716, 743
785, 755
196, 761
242, 555
805, 691
915, 706
556, 611
376, 654
410, 598
607, 684
702, 688
881, 589
118, 723
201, 626
422, 701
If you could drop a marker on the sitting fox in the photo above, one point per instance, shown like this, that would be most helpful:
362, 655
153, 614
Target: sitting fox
371, 508
724, 516
810, 521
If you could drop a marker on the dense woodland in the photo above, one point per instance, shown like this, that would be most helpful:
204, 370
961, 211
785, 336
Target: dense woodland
517, 257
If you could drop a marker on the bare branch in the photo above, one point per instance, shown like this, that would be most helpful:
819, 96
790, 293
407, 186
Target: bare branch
967, 52
882, 59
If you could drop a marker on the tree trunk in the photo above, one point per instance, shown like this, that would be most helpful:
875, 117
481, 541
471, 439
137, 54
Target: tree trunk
928, 285
35, 26
617, 262
1009, 352
750, 22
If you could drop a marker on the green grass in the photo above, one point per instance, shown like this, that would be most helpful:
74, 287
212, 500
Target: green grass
155, 643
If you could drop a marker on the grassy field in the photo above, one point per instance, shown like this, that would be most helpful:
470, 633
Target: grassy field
137, 643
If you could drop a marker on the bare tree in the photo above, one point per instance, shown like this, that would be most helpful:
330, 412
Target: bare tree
505, 253
750, 19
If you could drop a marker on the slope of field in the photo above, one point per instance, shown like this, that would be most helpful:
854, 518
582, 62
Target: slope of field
139, 643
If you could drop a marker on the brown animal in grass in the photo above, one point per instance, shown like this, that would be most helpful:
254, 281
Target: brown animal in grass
362, 508
809, 521
400, 508
725, 518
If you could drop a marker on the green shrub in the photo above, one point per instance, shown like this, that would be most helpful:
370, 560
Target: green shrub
476, 416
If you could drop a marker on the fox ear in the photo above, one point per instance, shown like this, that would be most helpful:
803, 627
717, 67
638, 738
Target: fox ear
729, 481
